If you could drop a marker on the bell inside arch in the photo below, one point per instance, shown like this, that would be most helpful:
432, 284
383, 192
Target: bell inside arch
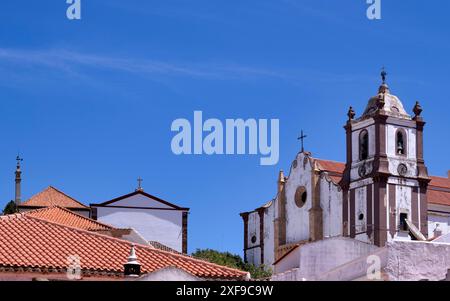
400, 144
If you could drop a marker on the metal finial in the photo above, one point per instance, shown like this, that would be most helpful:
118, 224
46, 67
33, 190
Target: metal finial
18, 159
302, 138
383, 75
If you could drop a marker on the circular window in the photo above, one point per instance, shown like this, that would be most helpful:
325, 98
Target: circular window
361, 216
300, 196
253, 239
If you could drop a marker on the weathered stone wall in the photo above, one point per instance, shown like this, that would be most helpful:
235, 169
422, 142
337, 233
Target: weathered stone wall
414, 260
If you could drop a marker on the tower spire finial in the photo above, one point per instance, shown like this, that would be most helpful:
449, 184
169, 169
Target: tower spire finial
383, 75
18, 159
18, 197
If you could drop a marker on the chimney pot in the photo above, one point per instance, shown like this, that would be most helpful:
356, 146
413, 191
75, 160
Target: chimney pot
132, 268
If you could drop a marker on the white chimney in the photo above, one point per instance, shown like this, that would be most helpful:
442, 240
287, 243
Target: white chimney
132, 268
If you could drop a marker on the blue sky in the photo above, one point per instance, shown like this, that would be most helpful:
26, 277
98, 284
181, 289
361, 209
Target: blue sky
89, 103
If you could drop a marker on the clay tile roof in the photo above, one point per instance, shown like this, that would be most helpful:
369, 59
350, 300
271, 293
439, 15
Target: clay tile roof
331, 166
440, 182
27, 242
53, 197
439, 191
438, 197
66, 217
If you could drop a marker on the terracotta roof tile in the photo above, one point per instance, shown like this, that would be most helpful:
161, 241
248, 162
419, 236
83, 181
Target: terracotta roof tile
440, 182
438, 197
53, 197
332, 166
66, 217
29, 242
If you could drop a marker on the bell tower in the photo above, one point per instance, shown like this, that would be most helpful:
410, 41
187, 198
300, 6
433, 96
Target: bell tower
385, 178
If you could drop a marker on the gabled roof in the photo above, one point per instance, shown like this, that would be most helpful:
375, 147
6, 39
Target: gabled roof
31, 244
66, 217
53, 197
141, 192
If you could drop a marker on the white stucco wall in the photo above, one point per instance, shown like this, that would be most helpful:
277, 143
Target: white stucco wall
319, 257
434, 219
410, 140
362, 268
269, 256
357, 129
254, 251
254, 256
403, 204
253, 229
361, 209
164, 226
331, 204
445, 238
288, 262
167, 274
394, 159
297, 219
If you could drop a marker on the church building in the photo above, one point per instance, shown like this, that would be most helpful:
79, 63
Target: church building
382, 192
156, 220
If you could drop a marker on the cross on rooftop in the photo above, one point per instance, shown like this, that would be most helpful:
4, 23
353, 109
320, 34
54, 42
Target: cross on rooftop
302, 138
139, 183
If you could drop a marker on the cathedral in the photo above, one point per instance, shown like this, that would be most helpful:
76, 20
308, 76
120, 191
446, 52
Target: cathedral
382, 193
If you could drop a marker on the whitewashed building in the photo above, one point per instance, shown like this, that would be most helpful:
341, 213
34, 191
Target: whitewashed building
380, 194
153, 218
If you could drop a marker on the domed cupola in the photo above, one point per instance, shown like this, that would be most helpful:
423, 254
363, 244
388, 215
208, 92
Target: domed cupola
385, 103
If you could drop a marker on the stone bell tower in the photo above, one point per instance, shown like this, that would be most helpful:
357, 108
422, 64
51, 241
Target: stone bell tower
385, 179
